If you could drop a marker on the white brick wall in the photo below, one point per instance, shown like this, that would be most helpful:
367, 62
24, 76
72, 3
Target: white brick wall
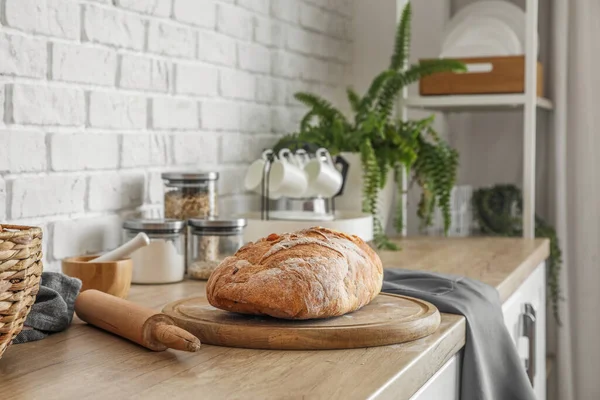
234, 21
67, 61
216, 48
111, 27
117, 111
98, 97
115, 191
2, 199
58, 18
193, 149
220, 115
237, 84
255, 118
75, 152
94, 235
170, 113
201, 13
46, 195
262, 6
22, 56
144, 73
161, 8
171, 40
142, 150
254, 57
197, 79
285, 10
269, 32
22, 151
45, 105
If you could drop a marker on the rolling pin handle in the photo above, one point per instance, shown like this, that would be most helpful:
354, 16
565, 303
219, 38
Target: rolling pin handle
141, 325
176, 338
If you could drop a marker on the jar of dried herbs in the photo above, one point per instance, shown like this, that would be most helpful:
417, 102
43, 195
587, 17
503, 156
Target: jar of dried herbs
190, 194
212, 241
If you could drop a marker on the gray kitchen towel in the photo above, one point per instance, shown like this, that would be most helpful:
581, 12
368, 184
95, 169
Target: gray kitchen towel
53, 308
491, 368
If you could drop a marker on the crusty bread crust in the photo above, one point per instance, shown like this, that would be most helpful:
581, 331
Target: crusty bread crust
313, 273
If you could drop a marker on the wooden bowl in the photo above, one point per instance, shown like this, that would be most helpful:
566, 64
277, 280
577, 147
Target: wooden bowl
112, 277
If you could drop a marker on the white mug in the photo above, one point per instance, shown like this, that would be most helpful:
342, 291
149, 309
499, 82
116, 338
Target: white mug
302, 158
323, 178
254, 176
287, 176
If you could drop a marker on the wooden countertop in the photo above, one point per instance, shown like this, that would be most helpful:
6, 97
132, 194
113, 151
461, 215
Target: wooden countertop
84, 362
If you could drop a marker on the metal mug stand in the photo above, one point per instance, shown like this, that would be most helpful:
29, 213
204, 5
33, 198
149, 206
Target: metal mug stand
265, 190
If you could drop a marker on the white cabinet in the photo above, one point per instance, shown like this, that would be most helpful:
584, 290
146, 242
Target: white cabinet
444, 384
525, 317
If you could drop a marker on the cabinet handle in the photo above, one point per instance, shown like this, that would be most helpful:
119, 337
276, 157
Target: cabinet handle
529, 331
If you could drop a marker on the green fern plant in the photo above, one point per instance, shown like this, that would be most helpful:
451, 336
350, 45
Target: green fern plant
385, 142
435, 170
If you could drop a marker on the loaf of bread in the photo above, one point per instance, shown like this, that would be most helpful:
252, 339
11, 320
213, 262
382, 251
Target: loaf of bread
313, 273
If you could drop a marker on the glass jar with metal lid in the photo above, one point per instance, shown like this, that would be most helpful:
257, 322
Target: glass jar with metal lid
163, 260
190, 194
212, 240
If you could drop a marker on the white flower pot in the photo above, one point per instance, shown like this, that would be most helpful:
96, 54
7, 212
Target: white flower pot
351, 199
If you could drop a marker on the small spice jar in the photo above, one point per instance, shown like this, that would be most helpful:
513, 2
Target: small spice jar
190, 195
212, 240
163, 260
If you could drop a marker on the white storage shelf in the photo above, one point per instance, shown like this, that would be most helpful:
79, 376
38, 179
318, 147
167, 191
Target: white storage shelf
473, 102
528, 102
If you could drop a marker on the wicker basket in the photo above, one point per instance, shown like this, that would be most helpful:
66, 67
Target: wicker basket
20, 273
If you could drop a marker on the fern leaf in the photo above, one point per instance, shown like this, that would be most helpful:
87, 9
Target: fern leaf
374, 90
382, 242
401, 79
312, 100
321, 107
402, 42
305, 122
430, 67
399, 214
435, 169
354, 99
337, 135
389, 93
371, 177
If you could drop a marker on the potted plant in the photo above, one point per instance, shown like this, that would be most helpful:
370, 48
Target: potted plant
498, 211
384, 143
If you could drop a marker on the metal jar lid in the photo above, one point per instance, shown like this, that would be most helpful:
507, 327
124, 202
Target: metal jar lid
154, 225
218, 225
190, 176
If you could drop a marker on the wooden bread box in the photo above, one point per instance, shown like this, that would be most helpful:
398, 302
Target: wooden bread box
486, 75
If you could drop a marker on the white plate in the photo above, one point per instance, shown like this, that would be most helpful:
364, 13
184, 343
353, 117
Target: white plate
482, 31
469, 51
509, 13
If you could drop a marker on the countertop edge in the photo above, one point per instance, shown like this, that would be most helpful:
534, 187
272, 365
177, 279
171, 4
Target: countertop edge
512, 282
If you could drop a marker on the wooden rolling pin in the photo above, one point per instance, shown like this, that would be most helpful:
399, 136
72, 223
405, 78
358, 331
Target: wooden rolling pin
141, 325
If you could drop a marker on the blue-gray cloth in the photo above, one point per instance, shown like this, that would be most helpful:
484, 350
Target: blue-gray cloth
491, 368
53, 308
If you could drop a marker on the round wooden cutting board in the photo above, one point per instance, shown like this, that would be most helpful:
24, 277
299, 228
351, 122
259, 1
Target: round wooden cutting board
389, 319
